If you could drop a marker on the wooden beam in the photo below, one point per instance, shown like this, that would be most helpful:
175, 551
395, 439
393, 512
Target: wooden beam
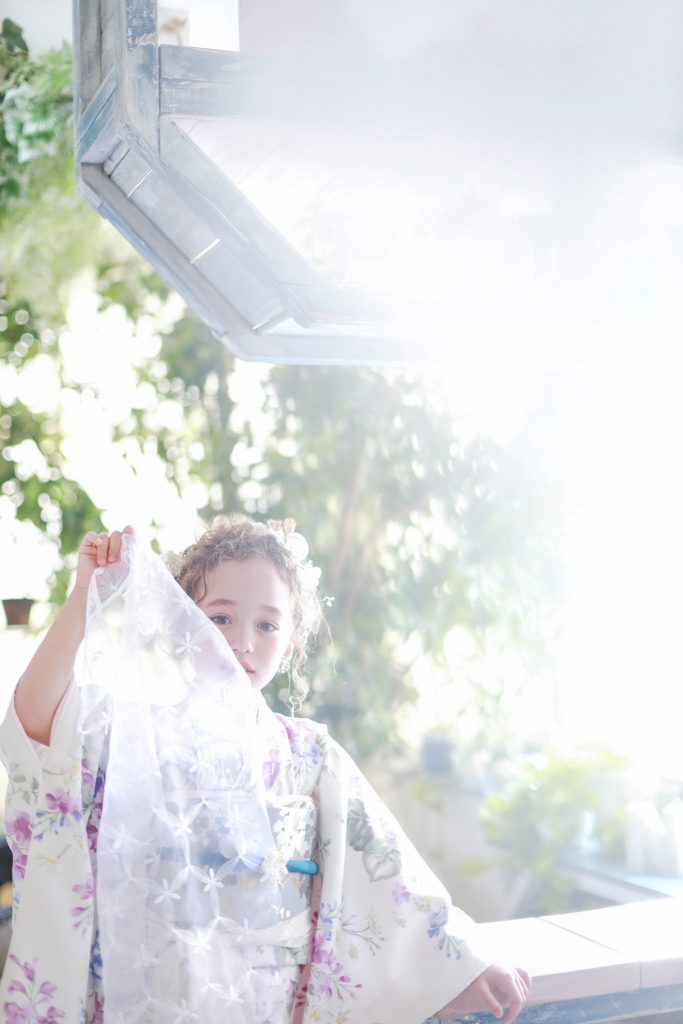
167, 261
250, 236
86, 53
137, 69
96, 129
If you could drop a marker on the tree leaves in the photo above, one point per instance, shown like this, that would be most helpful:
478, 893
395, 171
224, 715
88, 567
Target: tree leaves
12, 38
35, 109
416, 532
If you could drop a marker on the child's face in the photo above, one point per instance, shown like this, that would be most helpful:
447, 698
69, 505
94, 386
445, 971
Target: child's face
251, 606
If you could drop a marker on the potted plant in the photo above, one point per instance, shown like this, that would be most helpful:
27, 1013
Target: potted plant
553, 806
28, 558
17, 610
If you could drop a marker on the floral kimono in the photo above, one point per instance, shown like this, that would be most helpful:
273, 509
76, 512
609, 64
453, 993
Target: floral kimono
182, 854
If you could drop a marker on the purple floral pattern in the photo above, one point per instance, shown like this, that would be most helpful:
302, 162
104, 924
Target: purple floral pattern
82, 913
372, 891
61, 809
438, 917
335, 935
381, 912
52, 823
33, 1000
18, 831
400, 894
271, 768
306, 742
23, 792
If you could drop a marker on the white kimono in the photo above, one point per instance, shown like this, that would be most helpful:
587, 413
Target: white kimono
159, 844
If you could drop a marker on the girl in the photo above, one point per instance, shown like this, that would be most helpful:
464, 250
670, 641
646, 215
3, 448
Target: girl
183, 854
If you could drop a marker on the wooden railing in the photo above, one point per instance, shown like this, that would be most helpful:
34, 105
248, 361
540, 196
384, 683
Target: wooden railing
598, 965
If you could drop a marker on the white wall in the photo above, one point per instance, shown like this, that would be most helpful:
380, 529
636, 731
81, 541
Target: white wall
46, 23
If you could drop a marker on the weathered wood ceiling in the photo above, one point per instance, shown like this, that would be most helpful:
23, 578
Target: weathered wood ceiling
354, 187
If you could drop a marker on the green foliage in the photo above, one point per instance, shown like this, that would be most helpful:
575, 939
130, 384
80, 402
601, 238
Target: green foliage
414, 531
49, 237
13, 71
542, 814
199, 369
405, 522
34, 479
35, 110
12, 39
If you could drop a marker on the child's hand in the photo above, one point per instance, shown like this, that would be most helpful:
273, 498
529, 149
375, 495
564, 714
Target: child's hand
501, 992
97, 549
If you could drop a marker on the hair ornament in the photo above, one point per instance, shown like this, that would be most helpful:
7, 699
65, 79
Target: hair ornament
287, 534
310, 575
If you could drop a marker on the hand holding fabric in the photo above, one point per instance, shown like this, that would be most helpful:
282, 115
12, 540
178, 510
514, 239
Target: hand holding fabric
96, 550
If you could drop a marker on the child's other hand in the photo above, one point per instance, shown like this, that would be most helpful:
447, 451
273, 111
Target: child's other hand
97, 549
503, 993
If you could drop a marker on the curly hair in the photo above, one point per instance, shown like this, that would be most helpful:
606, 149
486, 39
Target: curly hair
237, 538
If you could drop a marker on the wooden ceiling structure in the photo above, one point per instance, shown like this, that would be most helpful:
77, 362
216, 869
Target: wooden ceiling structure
423, 207
138, 167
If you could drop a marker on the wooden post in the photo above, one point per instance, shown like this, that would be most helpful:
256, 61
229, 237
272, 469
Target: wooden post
137, 68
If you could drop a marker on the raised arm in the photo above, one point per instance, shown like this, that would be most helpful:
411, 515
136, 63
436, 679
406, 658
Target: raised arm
46, 678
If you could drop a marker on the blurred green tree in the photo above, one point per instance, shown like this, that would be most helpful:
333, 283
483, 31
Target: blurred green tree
550, 804
415, 532
32, 469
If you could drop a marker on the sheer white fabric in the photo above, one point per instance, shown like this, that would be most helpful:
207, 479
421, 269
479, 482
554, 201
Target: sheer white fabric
190, 878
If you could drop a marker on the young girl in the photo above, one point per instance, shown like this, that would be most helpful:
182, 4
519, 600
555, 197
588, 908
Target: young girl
183, 854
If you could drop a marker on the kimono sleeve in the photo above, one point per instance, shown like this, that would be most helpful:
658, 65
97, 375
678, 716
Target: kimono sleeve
46, 974
389, 946
18, 752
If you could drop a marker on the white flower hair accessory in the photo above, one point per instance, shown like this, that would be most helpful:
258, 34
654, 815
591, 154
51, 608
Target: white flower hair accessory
297, 546
310, 575
295, 542
287, 534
